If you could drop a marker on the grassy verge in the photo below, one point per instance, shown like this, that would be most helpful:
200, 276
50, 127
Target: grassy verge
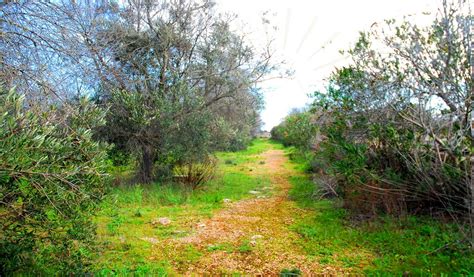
415, 245
125, 222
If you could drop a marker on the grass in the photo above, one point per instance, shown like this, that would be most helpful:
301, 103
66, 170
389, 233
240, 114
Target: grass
125, 221
249, 155
387, 245
226, 247
245, 247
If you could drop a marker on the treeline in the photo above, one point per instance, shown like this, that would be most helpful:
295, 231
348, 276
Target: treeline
391, 134
158, 85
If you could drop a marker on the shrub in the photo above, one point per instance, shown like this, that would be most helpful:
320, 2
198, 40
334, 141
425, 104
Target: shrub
51, 177
194, 174
297, 129
395, 140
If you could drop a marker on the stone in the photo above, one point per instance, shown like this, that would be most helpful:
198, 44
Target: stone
254, 238
161, 221
254, 192
151, 240
226, 200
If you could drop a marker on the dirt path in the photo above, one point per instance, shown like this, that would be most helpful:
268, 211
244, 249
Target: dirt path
256, 229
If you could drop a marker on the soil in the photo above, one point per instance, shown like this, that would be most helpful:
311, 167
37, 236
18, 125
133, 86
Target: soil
257, 230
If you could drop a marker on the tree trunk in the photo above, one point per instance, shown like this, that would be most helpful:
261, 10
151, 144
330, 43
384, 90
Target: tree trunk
145, 175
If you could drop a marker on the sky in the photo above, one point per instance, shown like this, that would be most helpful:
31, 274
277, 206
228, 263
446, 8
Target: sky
308, 37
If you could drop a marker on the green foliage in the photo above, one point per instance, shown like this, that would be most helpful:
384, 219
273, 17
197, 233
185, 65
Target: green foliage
386, 245
297, 130
398, 141
373, 162
388, 147
121, 229
51, 177
245, 247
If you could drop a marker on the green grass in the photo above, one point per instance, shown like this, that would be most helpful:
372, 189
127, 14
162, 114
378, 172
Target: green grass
249, 155
226, 247
300, 160
245, 247
386, 245
125, 217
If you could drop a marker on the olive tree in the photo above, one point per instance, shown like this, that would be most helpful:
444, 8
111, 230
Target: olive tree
52, 175
175, 62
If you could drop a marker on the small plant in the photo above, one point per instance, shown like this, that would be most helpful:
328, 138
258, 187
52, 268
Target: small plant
188, 254
194, 175
220, 247
245, 247
290, 272
138, 213
115, 224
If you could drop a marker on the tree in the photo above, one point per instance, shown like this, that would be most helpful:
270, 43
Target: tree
184, 62
172, 59
395, 122
297, 129
52, 175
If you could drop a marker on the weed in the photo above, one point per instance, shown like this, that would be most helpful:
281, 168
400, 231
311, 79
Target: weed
290, 272
138, 213
114, 224
188, 255
220, 247
245, 247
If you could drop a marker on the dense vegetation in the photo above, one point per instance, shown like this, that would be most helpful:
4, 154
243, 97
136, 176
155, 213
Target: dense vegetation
52, 176
325, 231
115, 118
155, 87
393, 129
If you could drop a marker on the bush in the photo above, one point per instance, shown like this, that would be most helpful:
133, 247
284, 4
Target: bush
297, 129
194, 174
395, 131
51, 177
387, 167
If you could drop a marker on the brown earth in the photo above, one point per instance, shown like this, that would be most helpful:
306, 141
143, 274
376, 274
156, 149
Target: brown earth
256, 230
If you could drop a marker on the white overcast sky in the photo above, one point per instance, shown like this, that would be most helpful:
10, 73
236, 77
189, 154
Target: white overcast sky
309, 35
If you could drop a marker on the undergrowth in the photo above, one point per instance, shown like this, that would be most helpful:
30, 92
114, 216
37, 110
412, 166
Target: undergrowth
328, 234
413, 244
125, 221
